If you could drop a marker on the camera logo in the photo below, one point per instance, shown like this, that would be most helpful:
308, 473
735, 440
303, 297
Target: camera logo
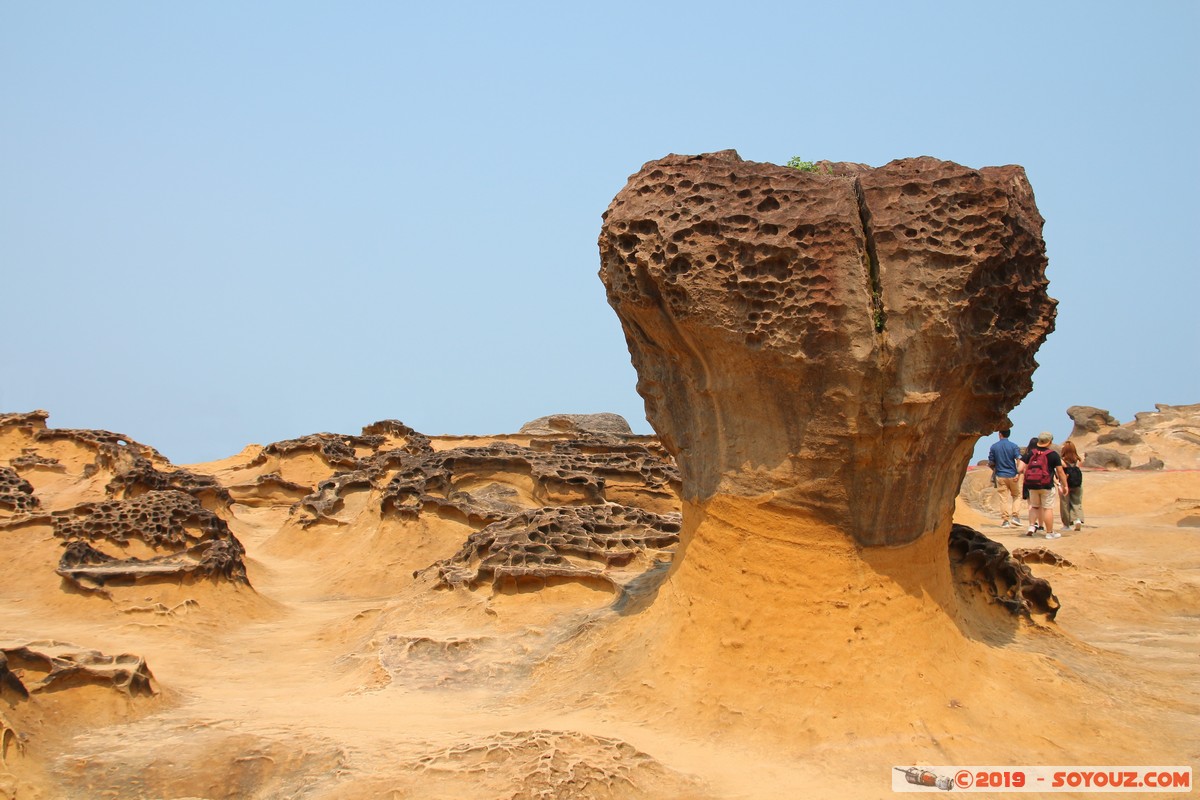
923, 777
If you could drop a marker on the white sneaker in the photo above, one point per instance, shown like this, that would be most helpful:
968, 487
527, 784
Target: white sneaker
1004, 524
1078, 524
1053, 535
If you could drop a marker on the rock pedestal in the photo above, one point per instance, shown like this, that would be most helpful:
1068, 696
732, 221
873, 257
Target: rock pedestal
834, 340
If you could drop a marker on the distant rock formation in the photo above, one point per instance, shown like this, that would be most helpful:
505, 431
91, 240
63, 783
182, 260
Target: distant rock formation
1089, 419
578, 423
1166, 438
1103, 458
837, 340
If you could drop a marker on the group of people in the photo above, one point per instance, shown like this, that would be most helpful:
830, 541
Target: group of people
1038, 474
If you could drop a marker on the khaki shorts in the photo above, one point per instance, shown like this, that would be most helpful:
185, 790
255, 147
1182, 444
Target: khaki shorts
1041, 498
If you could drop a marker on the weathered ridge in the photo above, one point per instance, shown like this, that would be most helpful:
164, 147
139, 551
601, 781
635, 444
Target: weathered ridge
577, 497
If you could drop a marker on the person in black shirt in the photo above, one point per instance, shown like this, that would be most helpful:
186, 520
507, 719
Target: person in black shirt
1042, 468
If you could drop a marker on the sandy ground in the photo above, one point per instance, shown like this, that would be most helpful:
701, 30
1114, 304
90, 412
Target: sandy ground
773, 662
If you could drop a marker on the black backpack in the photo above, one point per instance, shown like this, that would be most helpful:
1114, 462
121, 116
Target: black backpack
1074, 476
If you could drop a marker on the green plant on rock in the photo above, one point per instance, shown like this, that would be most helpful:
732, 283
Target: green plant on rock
795, 162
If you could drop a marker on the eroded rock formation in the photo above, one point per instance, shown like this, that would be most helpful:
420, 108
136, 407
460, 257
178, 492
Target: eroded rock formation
189, 541
837, 340
571, 465
140, 475
588, 507
1003, 576
1104, 458
45, 666
569, 472
33, 425
576, 497
576, 424
135, 468
16, 493
1089, 419
574, 543
1168, 437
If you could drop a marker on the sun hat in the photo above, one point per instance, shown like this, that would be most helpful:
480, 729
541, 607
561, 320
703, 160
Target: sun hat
1045, 438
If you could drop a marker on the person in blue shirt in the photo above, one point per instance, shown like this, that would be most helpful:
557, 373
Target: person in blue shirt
1002, 458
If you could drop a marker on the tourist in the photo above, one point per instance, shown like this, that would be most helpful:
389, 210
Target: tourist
1042, 468
1034, 522
1070, 501
1002, 458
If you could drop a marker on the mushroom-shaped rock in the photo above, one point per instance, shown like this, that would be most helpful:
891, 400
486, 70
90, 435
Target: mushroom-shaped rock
1089, 419
834, 340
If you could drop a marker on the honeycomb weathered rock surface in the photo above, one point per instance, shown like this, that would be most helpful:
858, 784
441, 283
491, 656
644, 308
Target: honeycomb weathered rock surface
193, 541
1001, 575
837, 340
576, 542
16, 493
575, 471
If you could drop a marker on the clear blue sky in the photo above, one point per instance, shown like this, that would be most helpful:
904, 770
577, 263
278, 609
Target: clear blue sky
224, 223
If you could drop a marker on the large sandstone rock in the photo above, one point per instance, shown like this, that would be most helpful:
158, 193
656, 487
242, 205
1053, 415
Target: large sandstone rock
1089, 419
604, 423
837, 340
1103, 458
